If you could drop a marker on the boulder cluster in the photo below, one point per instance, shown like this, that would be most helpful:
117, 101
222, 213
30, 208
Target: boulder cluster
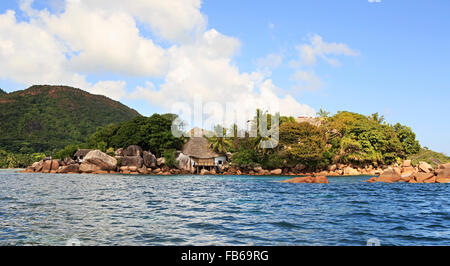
422, 173
299, 169
132, 160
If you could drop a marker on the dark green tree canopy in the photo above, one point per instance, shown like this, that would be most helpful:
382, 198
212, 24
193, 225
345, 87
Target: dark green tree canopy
151, 133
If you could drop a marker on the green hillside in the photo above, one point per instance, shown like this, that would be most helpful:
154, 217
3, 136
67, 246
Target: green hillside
47, 118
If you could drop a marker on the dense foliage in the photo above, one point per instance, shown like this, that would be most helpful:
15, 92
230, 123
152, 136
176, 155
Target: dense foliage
429, 156
17, 160
346, 137
48, 118
151, 133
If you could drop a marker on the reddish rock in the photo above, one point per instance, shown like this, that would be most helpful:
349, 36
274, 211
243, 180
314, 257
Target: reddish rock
389, 176
442, 180
47, 166
421, 176
307, 179
425, 167
408, 169
321, 180
73, 168
406, 178
443, 172
102, 160
351, 171
406, 163
101, 172
143, 171
55, 165
372, 180
430, 180
89, 168
444, 166
276, 172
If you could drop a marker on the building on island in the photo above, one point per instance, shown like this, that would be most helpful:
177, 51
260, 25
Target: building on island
315, 121
202, 157
80, 154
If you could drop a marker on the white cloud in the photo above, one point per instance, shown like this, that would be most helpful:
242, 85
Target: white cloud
374, 1
99, 36
174, 20
202, 69
30, 54
114, 89
309, 54
105, 41
320, 49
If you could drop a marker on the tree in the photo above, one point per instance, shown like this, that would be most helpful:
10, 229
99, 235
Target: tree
377, 118
220, 143
323, 114
408, 139
303, 142
152, 133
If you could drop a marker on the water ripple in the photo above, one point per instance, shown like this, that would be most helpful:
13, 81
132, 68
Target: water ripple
43, 209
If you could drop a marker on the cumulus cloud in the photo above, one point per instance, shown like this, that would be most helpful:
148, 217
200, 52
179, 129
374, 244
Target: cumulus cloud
317, 48
114, 89
309, 55
90, 37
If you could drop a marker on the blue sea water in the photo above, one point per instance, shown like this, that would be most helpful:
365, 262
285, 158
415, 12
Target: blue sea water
46, 209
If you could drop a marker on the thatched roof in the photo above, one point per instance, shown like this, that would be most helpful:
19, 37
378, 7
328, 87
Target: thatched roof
198, 147
82, 152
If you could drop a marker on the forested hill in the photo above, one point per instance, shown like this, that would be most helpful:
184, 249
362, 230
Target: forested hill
47, 118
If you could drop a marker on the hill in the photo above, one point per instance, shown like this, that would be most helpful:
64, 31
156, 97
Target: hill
47, 118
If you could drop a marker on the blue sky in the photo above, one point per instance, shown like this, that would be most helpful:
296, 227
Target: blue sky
390, 57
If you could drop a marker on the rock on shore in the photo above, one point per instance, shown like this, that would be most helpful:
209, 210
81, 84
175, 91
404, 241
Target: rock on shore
422, 173
308, 179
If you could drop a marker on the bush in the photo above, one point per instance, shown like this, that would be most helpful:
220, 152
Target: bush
273, 161
68, 151
169, 156
246, 158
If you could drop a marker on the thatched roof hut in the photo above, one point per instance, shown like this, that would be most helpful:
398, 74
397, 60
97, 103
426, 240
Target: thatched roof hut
198, 147
81, 153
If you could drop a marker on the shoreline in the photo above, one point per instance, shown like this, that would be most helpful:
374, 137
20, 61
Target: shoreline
145, 163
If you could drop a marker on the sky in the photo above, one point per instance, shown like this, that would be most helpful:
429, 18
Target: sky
364, 56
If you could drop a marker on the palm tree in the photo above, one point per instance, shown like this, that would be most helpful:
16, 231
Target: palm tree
259, 139
377, 118
323, 114
220, 143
